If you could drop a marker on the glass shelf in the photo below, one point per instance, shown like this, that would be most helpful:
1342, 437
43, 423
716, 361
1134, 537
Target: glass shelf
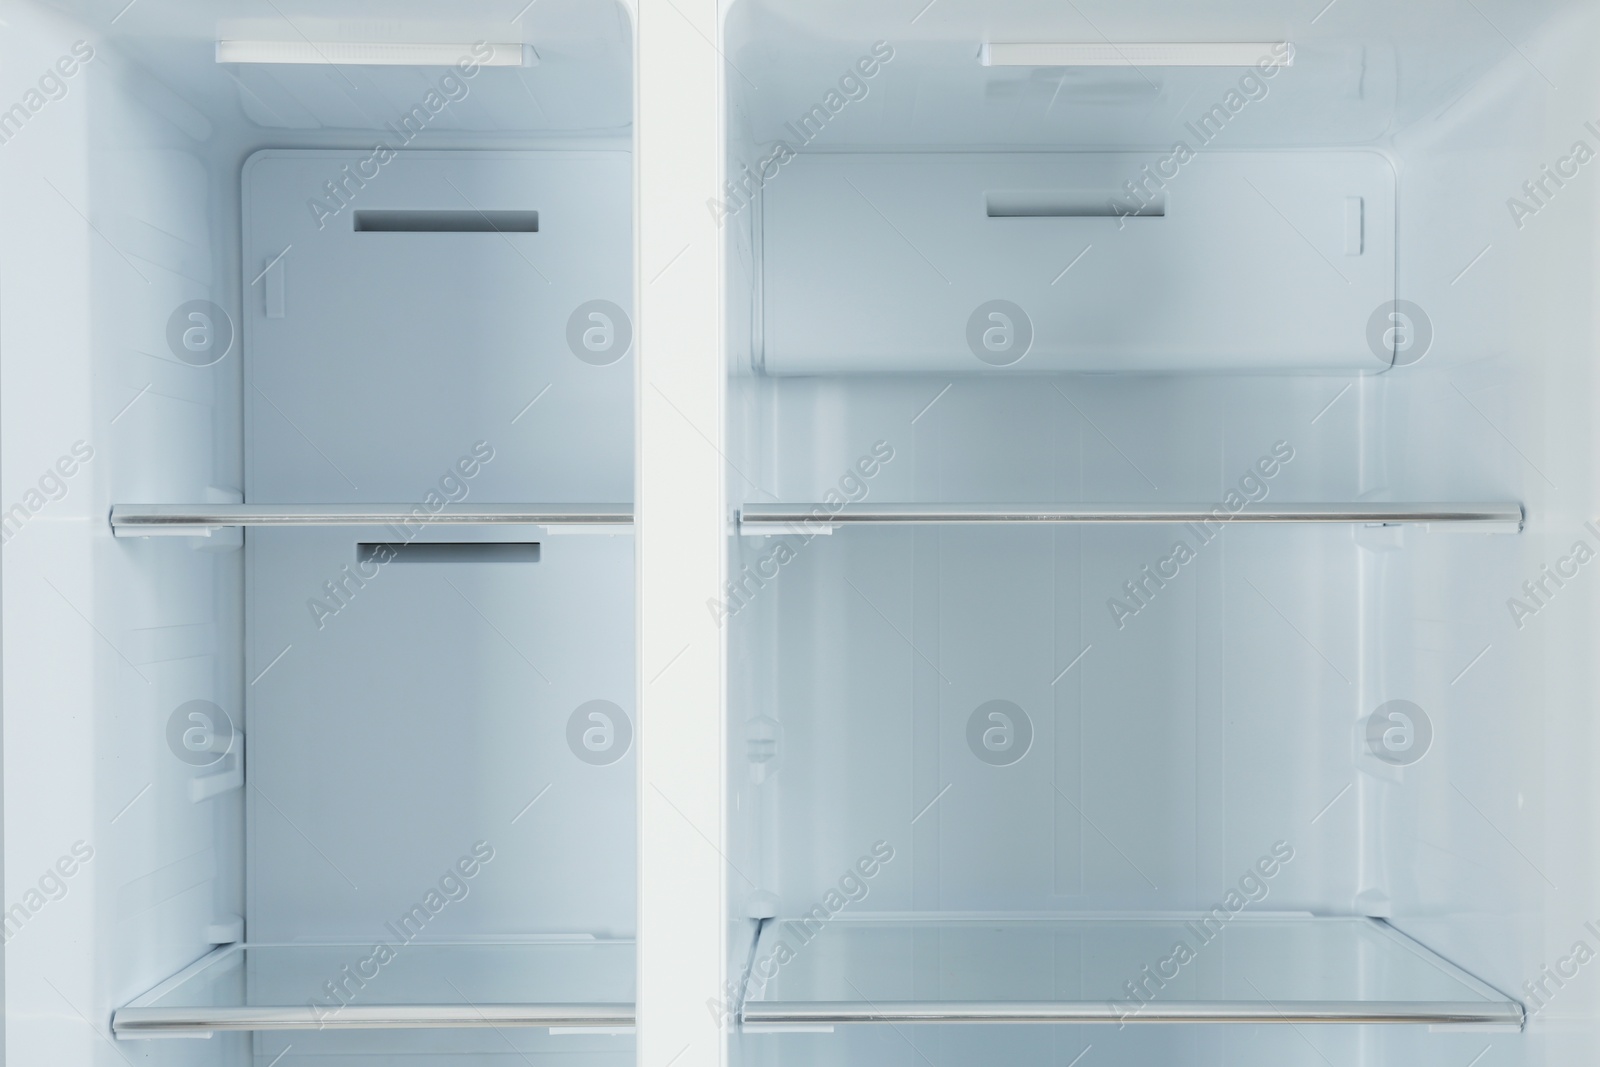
1264, 968
569, 982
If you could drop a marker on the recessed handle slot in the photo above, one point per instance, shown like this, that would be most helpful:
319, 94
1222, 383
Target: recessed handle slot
447, 221
448, 552
1072, 204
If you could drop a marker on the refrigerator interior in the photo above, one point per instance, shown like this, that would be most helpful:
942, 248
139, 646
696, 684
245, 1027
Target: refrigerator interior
1304, 301
318, 577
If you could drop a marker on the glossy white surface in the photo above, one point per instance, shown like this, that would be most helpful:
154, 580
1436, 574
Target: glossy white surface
685, 951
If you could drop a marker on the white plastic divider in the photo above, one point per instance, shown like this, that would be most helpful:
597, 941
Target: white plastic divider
680, 535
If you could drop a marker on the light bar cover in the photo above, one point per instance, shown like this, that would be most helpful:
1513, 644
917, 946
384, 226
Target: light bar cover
386, 54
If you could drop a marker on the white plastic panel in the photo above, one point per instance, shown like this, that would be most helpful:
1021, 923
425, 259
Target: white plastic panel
431, 714
397, 352
437, 700
965, 264
682, 509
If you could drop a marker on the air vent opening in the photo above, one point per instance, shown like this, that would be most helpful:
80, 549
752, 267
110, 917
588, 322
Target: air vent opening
1072, 204
381, 552
390, 221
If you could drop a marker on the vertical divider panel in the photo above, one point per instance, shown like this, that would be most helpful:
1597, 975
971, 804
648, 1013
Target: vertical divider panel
681, 531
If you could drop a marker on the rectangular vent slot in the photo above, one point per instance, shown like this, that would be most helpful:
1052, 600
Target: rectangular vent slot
449, 552
1072, 204
447, 221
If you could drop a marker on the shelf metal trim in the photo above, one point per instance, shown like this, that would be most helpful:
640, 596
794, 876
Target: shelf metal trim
144, 519
134, 1021
146, 1017
1508, 516
1437, 1013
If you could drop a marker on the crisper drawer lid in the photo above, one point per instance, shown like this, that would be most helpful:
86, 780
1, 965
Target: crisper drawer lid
1229, 261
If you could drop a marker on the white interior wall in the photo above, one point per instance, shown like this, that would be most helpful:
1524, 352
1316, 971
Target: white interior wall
117, 223
1483, 847
751, 812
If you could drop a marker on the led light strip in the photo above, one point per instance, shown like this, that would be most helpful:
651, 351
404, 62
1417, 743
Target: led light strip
1104, 54
386, 54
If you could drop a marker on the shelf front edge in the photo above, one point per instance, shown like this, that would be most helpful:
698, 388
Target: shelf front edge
1439, 1013
1503, 515
132, 1022
140, 519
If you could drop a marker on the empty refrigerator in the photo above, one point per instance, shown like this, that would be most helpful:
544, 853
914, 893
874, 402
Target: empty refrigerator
706, 531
